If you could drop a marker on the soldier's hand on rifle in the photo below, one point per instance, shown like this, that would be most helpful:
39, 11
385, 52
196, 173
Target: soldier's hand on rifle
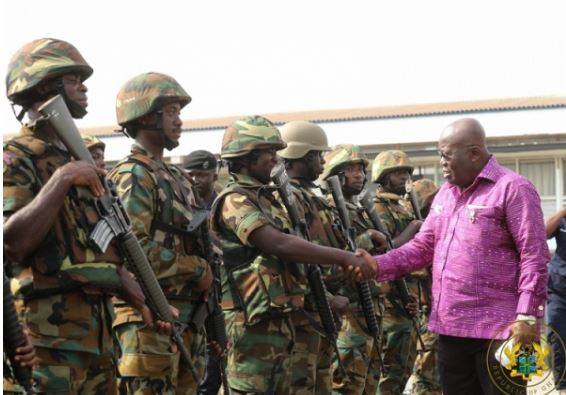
412, 307
133, 295
339, 304
206, 282
80, 173
215, 349
378, 239
25, 355
367, 270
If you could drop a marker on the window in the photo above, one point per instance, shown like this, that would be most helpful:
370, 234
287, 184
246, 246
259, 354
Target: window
542, 175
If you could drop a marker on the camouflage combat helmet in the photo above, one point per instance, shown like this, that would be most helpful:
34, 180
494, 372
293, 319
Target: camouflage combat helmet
147, 93
340, 156
250, 133
424, 189
302, 137
41, 60
388, 161
93, 142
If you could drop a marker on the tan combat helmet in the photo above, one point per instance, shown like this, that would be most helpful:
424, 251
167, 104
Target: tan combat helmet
302, 137
387, 161
93, 142
341, 156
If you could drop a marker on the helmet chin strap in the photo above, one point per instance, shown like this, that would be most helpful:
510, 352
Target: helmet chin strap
168, 144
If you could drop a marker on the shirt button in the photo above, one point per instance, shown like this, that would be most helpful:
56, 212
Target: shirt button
541, 308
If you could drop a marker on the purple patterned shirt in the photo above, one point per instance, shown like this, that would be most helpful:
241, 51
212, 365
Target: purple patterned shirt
488, 252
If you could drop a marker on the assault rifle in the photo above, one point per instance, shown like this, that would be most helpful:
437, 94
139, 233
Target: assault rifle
314, 275
14, 338
115, 224
413, 199
209, 313
364, 292
400, 285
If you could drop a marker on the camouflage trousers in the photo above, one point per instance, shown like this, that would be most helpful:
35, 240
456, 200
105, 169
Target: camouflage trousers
71, 372
399, 346
359, 357
147, 365
72, 338
304, 359
426, 375
259, 360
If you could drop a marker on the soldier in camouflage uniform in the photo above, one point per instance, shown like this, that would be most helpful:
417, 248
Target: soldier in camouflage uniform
262, 285
161, 204
65, 284
425, 372
96, 148
304, 163
358, 351
391, 170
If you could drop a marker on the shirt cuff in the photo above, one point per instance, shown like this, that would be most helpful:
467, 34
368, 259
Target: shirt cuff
529, 304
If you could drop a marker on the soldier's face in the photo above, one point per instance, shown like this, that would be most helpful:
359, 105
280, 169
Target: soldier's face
97, 154
261, 167
75, 89
172, 122
355, 177
396, 181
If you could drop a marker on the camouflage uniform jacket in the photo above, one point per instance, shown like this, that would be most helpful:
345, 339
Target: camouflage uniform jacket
258, 284
161, 203
394, 211
63, 267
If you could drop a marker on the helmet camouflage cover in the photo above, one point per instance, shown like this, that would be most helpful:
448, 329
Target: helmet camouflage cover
41, 60
387, 161
250, 133
424, 189
93, 142
302, 137
341, 156
147, 93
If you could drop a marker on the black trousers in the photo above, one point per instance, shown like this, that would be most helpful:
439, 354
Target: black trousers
463, 367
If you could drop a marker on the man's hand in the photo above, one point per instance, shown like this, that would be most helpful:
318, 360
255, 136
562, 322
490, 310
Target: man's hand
133, 295
378, 239
524, 333
25, 355
83, 174
366, 269
412, 307
216, 350
339, 304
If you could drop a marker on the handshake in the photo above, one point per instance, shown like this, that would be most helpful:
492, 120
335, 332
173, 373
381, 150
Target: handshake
361, 267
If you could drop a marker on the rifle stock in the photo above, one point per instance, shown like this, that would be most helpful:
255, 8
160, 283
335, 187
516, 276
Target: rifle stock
115, 223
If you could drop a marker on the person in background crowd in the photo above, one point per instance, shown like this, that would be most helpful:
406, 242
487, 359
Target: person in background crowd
202, 167
426, 379
391, 170
556, 303
96, 148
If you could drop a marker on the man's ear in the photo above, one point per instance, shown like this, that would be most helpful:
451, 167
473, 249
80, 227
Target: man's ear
147, 119
215, 178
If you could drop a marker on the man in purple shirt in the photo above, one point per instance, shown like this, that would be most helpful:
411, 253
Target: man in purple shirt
485, 238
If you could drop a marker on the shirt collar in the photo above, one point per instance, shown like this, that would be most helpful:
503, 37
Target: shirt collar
244, 180
491, 171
